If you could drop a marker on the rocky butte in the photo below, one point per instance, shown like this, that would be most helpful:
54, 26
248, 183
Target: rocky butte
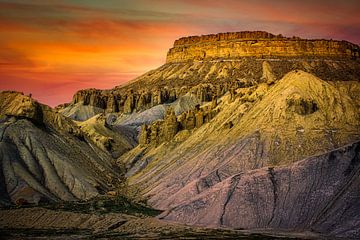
244, 130
231, 46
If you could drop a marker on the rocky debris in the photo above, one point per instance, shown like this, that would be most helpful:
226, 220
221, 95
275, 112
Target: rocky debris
138, 101
317, 194
120, 101
244, 73
256, 44
159, 131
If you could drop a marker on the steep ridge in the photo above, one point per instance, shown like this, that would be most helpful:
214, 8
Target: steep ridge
46, 157
299, 116
318, 194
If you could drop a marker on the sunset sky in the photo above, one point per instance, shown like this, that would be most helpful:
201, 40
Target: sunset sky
54, 48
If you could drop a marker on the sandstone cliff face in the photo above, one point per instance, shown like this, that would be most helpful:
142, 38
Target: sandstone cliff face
256, 44
124, 101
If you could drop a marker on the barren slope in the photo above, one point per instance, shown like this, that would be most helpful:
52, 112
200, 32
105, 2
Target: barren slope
45, 156
319, 194
298, 117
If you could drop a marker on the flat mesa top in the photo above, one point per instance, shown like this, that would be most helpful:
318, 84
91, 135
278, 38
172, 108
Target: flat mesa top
244, 35
234, 45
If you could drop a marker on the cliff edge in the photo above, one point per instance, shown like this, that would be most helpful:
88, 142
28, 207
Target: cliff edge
234, 45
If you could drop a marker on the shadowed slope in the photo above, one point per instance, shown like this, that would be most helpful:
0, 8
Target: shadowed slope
45, 156
320, 194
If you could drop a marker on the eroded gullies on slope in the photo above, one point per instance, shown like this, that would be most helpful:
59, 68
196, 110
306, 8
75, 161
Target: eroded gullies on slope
223, 127
46, 157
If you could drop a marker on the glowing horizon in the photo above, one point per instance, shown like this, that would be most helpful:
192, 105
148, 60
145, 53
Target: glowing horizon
54, 49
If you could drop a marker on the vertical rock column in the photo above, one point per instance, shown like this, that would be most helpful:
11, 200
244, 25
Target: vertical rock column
171, 125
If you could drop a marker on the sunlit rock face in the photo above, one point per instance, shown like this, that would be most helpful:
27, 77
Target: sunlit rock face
232, 46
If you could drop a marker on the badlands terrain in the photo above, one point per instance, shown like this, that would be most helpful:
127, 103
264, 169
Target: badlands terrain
247, 134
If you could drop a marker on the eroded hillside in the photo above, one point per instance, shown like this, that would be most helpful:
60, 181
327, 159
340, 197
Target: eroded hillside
46, 157
237, 130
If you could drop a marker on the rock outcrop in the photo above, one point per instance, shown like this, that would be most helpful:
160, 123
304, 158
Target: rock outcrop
111, 101
21, 106
165, 130
256, 44
46, 157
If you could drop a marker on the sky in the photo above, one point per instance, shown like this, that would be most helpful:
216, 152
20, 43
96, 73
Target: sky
51, 49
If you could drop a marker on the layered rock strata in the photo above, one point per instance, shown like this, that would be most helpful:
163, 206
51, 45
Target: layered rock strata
256, 44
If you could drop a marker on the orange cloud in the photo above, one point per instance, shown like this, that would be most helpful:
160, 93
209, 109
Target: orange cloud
52, 50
